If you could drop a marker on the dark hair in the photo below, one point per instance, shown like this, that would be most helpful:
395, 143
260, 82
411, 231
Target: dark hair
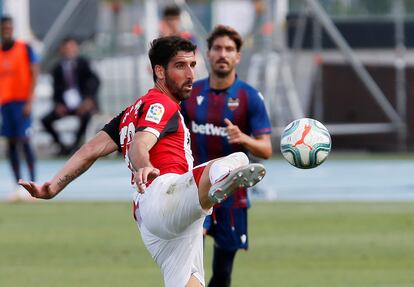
171, 10
68, 39
220, 31
6, 18
163, 49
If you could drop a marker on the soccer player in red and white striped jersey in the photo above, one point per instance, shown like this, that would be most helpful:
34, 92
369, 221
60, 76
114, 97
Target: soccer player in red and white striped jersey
172, 197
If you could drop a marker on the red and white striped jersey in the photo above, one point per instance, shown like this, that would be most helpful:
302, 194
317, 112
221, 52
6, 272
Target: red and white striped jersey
156, 113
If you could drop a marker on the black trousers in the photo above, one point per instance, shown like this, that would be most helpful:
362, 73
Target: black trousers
222, 267
49, 119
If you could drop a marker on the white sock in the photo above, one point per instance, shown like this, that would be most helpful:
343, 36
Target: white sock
217, 171
223, 166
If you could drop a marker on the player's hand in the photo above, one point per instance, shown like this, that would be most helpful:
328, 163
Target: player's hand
61, 110
234, 134
85, 107
27, 109
143, 175
44, 191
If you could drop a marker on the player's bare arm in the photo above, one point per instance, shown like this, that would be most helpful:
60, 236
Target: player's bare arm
139, 158
99, 146
260, 146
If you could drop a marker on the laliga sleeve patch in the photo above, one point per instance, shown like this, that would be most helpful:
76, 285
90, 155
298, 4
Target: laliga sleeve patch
155, 113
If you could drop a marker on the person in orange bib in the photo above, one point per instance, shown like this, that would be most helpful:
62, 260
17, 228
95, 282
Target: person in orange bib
18, 72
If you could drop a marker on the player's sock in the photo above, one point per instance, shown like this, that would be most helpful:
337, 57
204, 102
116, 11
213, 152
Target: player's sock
13, 156
30, 158
222, 167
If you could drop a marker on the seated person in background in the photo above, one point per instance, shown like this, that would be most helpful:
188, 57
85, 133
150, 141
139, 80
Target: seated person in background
75, 87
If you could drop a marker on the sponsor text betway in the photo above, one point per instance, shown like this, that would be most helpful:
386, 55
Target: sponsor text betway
208, 129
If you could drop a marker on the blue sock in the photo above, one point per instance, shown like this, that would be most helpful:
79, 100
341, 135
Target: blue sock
13, 156
30, 159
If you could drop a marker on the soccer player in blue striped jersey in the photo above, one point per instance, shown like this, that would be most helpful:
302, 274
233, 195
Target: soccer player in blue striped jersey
226, 115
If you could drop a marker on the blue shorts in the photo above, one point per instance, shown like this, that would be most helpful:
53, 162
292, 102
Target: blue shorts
14, 124
228, 227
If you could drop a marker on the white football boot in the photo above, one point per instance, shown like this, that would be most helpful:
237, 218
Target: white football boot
244, 176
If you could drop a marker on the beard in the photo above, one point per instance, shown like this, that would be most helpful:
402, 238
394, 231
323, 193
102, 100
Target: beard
178, 92
222, 73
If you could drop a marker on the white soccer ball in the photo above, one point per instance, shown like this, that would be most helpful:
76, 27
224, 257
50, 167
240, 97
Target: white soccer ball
305, 143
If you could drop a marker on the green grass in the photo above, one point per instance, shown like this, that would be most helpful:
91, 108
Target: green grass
291, 244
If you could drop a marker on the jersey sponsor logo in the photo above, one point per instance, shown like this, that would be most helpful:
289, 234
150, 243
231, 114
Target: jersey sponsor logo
199, 100
233, 104
208, 129
155, 113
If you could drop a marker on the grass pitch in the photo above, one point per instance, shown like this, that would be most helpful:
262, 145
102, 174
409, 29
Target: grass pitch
291, 244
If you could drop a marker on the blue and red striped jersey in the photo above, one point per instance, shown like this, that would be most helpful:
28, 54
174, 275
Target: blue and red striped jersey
204, 113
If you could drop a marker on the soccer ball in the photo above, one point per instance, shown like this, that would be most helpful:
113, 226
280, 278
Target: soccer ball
305, 143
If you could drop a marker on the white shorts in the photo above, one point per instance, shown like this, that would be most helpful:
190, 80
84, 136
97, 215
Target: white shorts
170, 219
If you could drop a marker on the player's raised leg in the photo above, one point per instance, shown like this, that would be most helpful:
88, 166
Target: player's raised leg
223, 176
